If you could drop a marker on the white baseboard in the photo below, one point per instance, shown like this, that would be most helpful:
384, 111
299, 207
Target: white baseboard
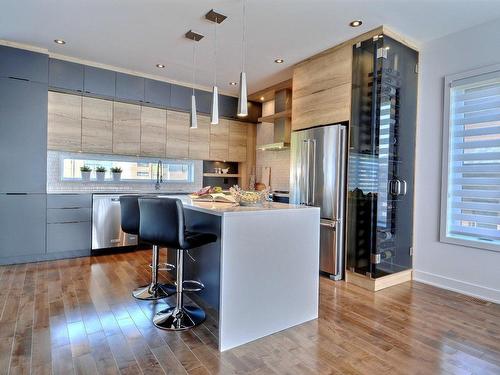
488, 294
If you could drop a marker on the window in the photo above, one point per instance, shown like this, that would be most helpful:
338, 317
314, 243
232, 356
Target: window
132, 171
471, 159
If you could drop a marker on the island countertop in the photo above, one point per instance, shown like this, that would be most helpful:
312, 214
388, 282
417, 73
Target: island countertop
224, 209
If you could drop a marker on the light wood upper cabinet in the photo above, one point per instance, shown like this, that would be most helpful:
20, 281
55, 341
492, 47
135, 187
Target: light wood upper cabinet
237, 141
219, 140
64, 122
97, 125
322, 89
199, 139
153, 132
126, 129
101, 126
177, 135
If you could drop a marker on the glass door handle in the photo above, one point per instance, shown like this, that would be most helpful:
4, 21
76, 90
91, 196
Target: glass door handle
397, 187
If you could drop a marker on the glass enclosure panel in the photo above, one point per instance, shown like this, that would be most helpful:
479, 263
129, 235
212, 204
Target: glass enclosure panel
381, 157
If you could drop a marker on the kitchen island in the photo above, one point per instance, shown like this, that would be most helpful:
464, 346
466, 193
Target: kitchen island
262, 274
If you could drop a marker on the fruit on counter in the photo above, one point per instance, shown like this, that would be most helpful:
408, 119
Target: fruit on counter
259, 186
203, 191
208, 190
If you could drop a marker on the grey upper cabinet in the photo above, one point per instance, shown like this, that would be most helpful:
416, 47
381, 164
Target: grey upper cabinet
180, 97
157, 93
23, 136
129, 88
99, 82
22, 225
65, 75
228, 106
204, 101
22, 64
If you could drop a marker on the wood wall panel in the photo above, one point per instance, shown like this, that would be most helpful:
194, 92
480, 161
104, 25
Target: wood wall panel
153, 131
177, 135
199, 139
126, 128
97, 125
64, 122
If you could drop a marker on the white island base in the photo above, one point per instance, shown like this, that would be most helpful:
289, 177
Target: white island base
268, 274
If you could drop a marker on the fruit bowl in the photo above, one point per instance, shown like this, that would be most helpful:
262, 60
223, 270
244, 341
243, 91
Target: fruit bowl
249, 198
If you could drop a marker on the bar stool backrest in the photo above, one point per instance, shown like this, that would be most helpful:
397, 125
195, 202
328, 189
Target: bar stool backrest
129, 209
162, 222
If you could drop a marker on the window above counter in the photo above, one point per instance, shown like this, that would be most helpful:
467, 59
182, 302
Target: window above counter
133, 171
138, 173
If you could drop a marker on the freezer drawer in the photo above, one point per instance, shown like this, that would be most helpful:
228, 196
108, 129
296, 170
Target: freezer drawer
106, 224
331, 254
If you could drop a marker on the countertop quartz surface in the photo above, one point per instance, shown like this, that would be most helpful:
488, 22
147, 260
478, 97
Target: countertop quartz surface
222, 209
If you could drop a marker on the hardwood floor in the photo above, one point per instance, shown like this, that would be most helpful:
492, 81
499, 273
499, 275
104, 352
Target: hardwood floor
77, 316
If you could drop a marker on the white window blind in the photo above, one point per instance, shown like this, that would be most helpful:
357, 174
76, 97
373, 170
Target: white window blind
471, 188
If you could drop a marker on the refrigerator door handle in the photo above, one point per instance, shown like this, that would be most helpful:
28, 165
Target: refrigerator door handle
304, 170
306, 176
328, 223
312, 202
339, 196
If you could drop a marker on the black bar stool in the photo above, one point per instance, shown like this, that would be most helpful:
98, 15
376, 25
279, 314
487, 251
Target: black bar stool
162, 223
130, 219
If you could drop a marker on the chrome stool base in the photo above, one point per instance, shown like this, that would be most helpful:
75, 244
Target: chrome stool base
153, 292
174, 319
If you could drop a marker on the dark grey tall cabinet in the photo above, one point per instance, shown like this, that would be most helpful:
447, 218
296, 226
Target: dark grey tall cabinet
381, 157
23, 152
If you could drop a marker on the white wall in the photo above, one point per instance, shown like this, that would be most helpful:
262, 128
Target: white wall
467, 270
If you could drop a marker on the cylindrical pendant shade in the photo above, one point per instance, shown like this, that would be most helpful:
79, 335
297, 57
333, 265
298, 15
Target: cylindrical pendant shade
242, 99
214, 114
193, 123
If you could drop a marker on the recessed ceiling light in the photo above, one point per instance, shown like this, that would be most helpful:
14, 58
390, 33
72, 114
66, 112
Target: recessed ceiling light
279, 61
262, 98
233, 83
161, 66
59, 41
355, 23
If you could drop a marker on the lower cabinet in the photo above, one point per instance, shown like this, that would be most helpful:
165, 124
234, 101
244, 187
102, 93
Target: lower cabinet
69, 225
68, 236
22, 224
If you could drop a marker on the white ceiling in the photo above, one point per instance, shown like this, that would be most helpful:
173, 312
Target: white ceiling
137, 34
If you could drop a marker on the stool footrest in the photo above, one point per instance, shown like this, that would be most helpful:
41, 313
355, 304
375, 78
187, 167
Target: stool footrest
192, 286
164, 267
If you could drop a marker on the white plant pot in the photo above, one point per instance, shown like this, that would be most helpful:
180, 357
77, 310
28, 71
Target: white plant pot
86, 176
117, 176
100, 176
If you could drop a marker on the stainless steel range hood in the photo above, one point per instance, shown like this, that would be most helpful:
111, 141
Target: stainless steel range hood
282, 122
278, 146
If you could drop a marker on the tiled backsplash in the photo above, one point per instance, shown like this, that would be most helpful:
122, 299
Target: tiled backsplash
56, 185
278, 161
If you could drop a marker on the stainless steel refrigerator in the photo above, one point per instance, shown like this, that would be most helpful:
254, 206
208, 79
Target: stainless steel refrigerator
317, 178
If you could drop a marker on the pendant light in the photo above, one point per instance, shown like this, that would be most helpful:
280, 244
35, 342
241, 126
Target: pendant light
214, 113
242, 98
193, 116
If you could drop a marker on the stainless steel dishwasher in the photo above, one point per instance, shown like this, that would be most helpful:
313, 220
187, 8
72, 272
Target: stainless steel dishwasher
106, 223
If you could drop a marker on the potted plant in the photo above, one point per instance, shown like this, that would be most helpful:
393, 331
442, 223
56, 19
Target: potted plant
85, 171
117, 173
100, 173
